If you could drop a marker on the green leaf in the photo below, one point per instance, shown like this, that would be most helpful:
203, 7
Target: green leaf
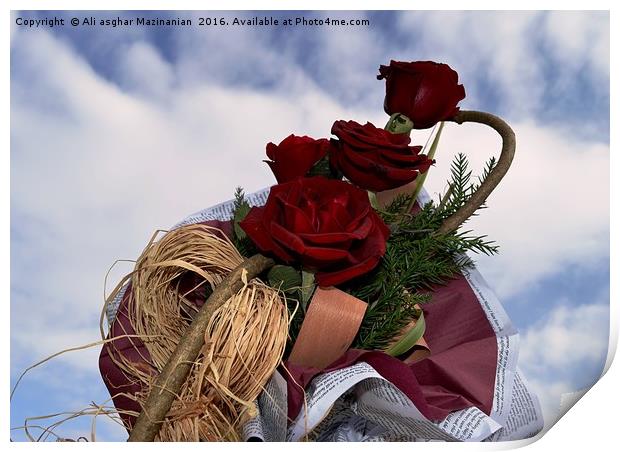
307, 288
323, 168
285, 278
372, 197
410, 339
241, 211
399, 123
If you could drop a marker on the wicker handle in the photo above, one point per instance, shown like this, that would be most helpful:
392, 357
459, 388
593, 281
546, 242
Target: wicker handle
495, 176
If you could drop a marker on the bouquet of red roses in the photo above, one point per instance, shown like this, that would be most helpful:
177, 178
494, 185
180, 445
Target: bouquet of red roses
338, 304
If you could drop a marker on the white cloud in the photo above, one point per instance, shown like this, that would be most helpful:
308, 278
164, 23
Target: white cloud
511, 50
483, 44
570, 337
233, 55
144, 71
550, 211
563, 352
586, 44
353, 79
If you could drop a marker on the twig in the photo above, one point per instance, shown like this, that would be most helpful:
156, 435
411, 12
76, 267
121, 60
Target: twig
451, 223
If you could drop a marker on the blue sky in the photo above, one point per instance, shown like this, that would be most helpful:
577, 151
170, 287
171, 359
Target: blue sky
118, 132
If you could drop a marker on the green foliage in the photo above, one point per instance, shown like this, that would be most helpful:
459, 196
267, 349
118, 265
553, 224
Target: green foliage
289, 281
240, 239
323, 168
285, 278
391, 311
307, 289
461, 188
242, 208
417, 258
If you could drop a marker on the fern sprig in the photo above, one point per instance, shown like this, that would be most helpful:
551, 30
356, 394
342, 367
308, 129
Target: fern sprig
417, 259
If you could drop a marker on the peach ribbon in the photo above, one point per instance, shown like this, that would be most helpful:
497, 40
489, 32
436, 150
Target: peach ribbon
328, 330
330, 326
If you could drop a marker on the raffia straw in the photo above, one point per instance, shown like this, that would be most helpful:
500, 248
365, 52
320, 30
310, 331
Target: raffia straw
48, 431
107, 300
244, 341
68, 350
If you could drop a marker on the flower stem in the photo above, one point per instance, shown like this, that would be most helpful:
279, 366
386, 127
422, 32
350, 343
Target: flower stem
422, 177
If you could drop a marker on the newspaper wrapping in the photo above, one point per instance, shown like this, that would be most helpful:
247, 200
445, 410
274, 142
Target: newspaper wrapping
357, 404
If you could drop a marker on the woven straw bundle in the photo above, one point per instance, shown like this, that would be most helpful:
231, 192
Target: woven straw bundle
244, 341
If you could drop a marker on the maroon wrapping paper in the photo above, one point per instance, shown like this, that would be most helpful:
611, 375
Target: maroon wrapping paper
460, 372
132, 349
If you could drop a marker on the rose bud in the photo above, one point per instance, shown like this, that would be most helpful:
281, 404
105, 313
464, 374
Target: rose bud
327, 226
424, 91
295, 156
375, 159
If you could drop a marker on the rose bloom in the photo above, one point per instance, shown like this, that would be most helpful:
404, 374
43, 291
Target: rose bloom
326, 225
375, 159
295, 156
424, 91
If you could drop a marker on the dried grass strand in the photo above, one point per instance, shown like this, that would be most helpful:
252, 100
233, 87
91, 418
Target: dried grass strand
72, 349
244, 340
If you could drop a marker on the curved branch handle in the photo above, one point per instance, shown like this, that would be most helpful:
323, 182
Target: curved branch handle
495, 176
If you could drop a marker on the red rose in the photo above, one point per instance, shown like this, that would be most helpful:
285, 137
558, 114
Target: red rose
295, 156
424, 91
375, 159
326, 225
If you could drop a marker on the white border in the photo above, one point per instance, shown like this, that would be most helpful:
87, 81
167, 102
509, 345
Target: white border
579, 427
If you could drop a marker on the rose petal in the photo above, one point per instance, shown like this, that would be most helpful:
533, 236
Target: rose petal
334, 278
295, 156
378, 177
373, 158
330, 246
425, 91
334, 238
254, 227
310, 255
